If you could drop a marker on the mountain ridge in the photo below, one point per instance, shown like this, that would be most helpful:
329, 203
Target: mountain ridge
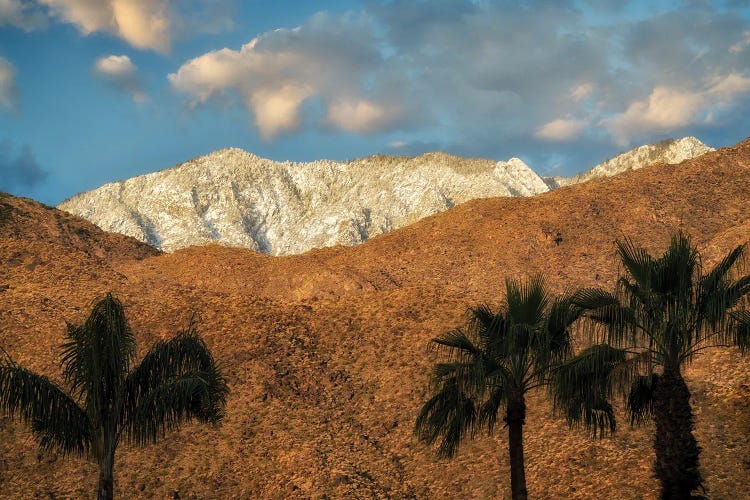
237, 198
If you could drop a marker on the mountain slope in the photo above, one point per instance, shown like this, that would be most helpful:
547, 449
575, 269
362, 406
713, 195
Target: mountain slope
238, 199
327, 356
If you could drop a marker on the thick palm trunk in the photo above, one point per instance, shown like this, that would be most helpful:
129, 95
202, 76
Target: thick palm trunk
106, 477
677, 451
515, 418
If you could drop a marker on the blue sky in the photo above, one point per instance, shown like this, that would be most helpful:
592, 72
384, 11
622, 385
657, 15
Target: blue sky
96, 91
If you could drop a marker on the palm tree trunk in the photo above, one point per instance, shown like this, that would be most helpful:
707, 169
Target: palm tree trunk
677, 451
515, 418
106, 476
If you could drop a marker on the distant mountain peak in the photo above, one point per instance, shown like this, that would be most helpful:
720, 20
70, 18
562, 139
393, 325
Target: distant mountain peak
236, 198
669, 151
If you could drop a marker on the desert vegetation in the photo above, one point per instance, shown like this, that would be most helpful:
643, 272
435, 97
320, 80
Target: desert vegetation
498, 358
663, 312
108, 402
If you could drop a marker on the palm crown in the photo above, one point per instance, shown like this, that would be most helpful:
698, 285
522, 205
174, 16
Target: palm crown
663, 312
176, 381
494, 362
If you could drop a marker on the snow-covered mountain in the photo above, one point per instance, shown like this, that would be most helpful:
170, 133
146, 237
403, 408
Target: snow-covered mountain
236, 198
233, 197
669, 152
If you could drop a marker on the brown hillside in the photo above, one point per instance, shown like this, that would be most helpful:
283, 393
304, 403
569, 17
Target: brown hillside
327, 351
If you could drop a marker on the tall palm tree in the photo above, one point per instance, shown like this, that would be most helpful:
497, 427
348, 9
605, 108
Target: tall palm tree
177, 380
498, 358
663, 312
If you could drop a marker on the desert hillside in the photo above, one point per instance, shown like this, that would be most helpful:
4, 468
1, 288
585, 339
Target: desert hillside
326, 351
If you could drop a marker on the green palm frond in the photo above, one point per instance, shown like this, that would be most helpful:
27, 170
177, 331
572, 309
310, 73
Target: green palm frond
636, 260
740, 328
449, 415
526, 302
99, 352
168, 405
721, 272
185, 356
490, 408
458, 343
55, 417
582, 386
641, 398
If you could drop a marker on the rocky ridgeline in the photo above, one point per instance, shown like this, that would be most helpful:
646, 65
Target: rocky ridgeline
235, 198
669, 152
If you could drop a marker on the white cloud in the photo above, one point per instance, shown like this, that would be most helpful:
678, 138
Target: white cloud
561, 130
21, 14
8, 90
122, 74
582, 91
670, 108
742, 44
361, 115
145, 24
327, 57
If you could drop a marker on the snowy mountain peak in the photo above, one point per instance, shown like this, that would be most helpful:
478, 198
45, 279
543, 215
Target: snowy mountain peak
233, 197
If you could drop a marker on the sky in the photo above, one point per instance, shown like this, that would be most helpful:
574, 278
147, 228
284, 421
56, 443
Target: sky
93, 91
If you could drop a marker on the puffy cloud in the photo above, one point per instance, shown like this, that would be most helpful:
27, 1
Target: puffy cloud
8, 90
361, 115
561, 130
144, 24
120, 72
21, 14
18, 170
328, 57
669, 108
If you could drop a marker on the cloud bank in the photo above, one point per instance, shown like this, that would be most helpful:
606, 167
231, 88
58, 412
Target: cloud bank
488, 77
328, 57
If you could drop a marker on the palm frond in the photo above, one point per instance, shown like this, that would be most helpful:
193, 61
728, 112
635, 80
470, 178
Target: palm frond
168, 405
721, 271
563, 313
582, 386
184, 356
99, 352
637, 261
449, 415
526, 302
641, 398
605, 310
490, 408
740, 328
458, 343
55, 417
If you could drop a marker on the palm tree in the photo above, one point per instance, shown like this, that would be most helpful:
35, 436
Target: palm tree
177, 380
663, 312
498, 358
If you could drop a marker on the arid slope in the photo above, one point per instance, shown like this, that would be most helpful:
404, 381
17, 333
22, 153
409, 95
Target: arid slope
327, 351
